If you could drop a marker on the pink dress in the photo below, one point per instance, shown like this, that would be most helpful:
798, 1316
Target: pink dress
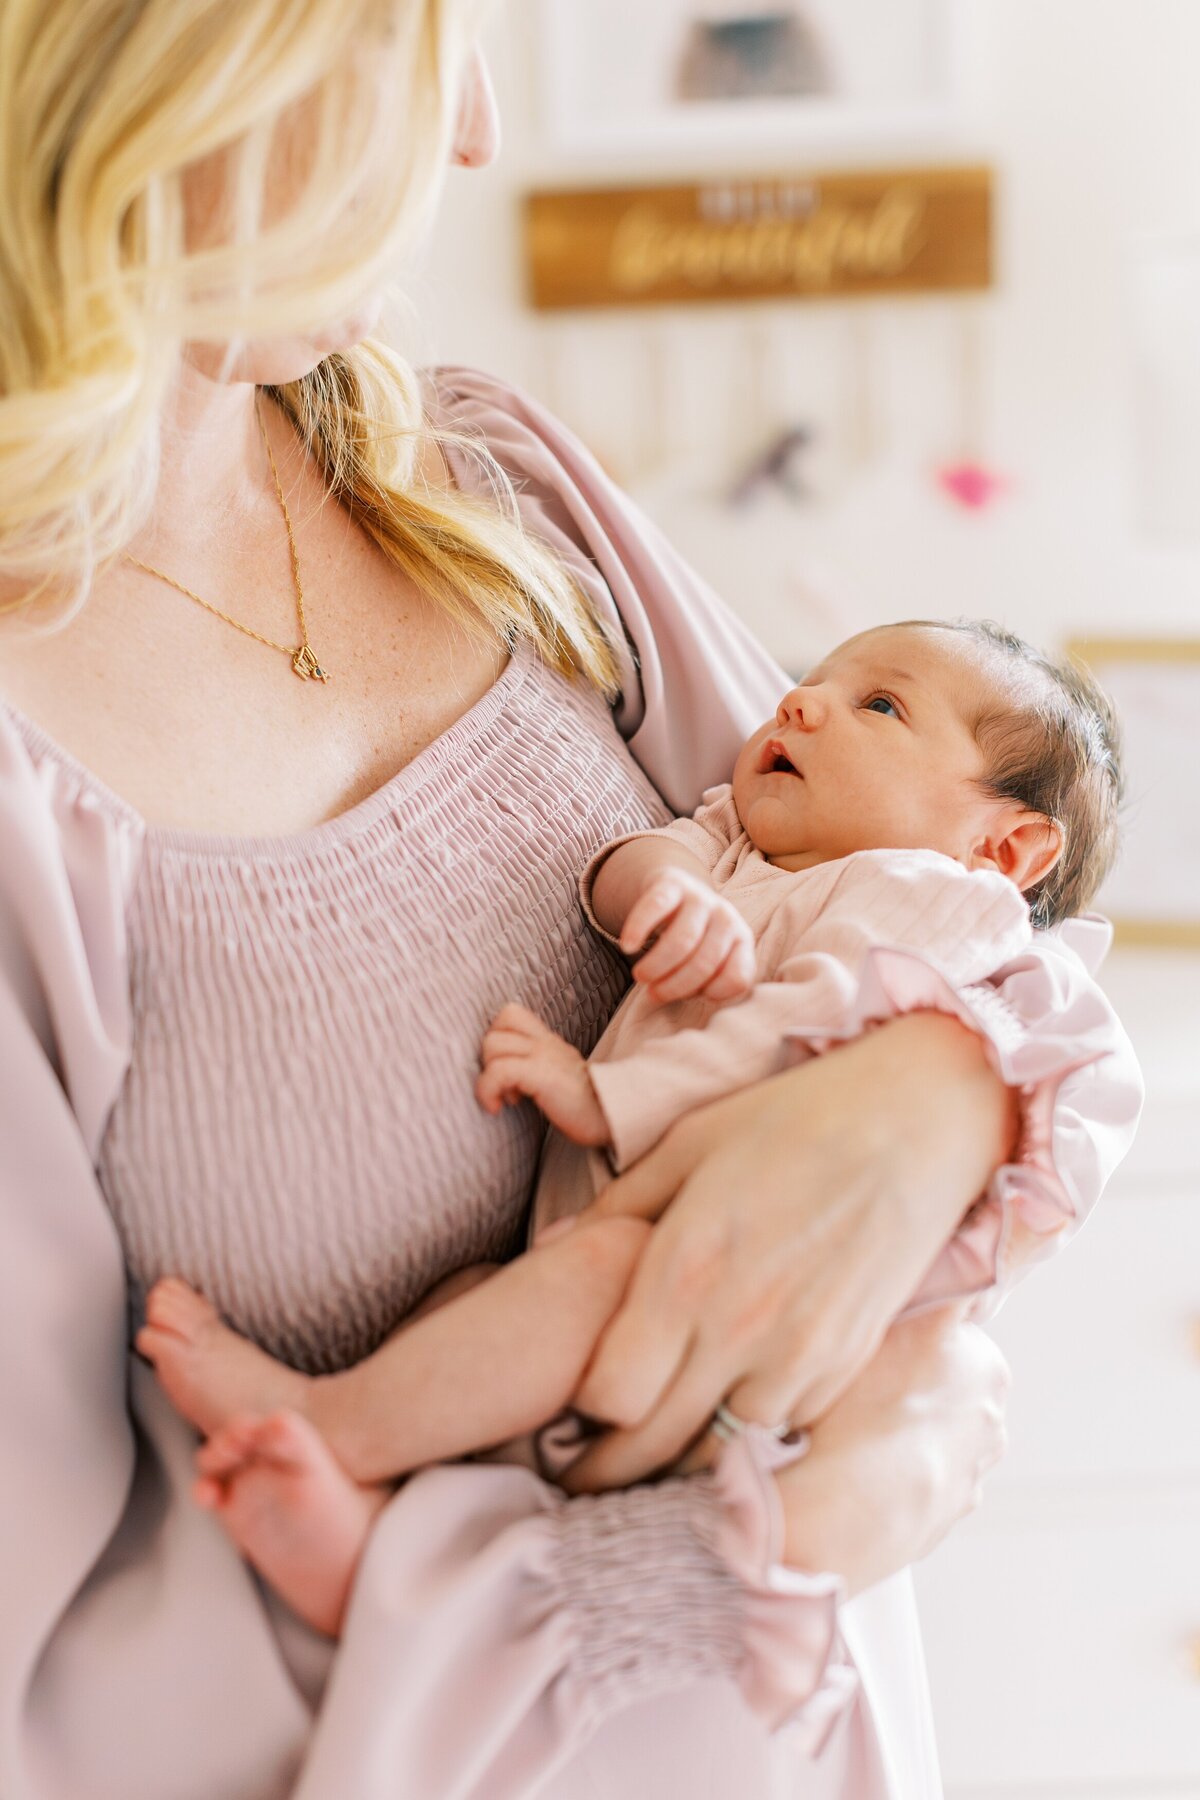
233, 1055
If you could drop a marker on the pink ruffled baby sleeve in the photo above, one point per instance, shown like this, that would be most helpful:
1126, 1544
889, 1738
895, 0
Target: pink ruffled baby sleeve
1052, 1035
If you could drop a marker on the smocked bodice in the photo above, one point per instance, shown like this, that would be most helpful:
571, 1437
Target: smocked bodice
297, 1133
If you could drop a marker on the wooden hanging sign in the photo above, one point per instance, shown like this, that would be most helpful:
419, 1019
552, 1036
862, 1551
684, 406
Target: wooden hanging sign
893, 231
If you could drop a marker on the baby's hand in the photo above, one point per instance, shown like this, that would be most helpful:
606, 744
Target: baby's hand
520, 1057
703, 946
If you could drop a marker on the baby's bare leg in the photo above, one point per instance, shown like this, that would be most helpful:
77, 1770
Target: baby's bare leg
492, 1363
212, 1373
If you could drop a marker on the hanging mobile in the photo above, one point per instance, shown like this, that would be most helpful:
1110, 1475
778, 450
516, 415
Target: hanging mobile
777, 464
968, 480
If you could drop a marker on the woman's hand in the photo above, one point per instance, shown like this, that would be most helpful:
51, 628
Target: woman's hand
798, 1217
900, 1457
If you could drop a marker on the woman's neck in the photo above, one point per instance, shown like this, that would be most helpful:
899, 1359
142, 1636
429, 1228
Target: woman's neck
214, 478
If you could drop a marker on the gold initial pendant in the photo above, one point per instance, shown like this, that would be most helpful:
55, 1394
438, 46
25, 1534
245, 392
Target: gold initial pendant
306, 665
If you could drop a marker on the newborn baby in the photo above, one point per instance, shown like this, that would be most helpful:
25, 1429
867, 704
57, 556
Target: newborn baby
920, 801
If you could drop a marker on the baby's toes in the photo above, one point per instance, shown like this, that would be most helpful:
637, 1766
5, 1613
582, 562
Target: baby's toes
235, 1443
290, 1441
173, 1306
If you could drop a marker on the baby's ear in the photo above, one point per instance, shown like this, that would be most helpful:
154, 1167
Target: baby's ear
1024, 846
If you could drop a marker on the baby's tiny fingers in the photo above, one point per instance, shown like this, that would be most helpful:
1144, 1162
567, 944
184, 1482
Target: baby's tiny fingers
659, 902
692, 976
505, 1043
675, 944
513, 1017
735, 976
503, 1083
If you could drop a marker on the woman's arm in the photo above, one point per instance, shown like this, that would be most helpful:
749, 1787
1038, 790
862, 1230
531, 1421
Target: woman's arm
899, 1131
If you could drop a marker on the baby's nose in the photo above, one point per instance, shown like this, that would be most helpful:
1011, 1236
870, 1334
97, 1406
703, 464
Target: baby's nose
800, 706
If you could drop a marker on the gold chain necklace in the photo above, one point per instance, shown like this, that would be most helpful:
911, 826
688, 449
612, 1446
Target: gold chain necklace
304, 660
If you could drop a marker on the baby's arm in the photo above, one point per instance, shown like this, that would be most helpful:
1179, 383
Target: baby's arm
491, 1363
654, 896
918, 900
523, 1059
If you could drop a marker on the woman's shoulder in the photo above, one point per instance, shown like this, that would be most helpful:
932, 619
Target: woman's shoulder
550, 469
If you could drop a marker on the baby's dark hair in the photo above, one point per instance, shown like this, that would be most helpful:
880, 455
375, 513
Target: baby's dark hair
1054, 747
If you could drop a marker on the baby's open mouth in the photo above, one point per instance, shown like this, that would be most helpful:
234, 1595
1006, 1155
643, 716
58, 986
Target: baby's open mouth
776, 761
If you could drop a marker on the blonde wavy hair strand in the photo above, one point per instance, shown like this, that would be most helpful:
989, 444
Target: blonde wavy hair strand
107, 271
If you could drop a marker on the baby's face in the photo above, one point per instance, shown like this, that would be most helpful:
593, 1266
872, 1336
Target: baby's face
875, 749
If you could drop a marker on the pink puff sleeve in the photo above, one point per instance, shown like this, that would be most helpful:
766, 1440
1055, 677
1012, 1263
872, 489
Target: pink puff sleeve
495, 1624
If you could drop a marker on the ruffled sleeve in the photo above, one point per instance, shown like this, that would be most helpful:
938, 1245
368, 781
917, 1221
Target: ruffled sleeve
495, 1624
1051, 1035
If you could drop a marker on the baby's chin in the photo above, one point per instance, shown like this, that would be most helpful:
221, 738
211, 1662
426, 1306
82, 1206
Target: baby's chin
769, 825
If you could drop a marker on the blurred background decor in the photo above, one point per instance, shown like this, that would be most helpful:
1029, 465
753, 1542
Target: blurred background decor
1153, 894
621, 72
1164, 298
795, 236
753, 52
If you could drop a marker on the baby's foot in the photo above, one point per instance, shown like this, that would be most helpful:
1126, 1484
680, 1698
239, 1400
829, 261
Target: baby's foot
290, 1508
207, 1369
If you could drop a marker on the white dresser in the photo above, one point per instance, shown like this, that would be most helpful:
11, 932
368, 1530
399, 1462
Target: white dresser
1062, 1620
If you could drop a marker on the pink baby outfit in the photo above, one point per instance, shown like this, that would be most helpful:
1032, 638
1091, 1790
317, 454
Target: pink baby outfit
502, 1642
838, 947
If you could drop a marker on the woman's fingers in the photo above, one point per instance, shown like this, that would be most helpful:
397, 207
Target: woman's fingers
814, 1392
668, 1320
643, 1347
633, 1365
647, 1189
625, 1456
766, 1399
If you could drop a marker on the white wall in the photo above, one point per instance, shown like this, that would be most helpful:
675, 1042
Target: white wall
1090, 112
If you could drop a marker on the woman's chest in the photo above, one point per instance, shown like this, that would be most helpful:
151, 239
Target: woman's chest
199, 726
298, 1133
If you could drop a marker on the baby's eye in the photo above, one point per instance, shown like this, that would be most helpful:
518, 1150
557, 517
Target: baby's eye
883, 703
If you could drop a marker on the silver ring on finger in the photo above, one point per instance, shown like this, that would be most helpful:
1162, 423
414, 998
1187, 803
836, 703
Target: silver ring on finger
727, 1424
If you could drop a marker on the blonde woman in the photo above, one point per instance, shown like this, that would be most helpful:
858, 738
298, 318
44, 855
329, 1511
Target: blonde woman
281, 643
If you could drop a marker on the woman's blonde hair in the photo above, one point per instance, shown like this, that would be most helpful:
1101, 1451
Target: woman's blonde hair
109, 107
